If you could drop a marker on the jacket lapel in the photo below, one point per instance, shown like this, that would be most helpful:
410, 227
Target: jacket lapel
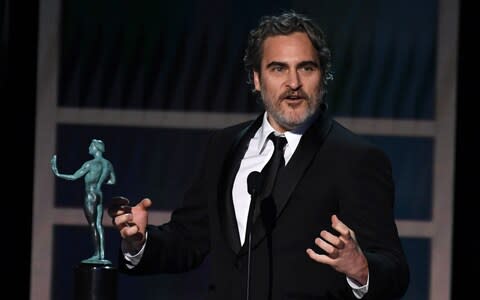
237, 150
299, 163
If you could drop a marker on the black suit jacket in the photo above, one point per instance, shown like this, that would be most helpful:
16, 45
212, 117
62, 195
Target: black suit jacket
333, 171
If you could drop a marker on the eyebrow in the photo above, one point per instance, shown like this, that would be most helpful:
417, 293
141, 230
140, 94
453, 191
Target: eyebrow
300, 65
277, 64
308, 63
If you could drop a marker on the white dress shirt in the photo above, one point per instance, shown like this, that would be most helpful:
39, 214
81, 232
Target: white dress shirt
259, 151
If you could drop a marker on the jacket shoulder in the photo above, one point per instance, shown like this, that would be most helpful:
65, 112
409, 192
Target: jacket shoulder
231, 132
353, 143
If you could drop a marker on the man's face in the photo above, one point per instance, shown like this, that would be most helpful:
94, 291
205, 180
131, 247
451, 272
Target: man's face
289, 80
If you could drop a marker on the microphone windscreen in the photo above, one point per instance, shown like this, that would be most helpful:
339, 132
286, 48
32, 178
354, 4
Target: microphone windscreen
253, 182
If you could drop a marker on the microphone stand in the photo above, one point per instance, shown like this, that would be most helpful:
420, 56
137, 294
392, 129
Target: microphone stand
253, 181
249, 251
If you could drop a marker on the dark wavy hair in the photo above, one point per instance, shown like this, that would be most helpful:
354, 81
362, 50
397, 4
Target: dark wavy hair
285, 24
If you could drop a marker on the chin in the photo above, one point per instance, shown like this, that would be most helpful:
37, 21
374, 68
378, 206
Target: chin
292, 121
295, 116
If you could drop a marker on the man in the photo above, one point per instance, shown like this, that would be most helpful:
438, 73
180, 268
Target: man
96, 172
326, 230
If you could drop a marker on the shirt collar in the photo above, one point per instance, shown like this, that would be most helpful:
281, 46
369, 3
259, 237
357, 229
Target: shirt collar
293, 137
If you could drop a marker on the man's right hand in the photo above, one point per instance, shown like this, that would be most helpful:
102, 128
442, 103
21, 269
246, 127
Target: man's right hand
131, 221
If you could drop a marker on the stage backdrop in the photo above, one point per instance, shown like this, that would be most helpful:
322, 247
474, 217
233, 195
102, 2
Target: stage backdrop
153, 78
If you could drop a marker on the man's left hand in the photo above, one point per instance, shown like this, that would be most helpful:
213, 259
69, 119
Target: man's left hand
342, 252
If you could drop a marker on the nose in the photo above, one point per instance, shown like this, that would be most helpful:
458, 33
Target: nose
294, 81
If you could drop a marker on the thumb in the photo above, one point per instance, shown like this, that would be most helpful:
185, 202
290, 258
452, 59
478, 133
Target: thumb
144, 204
340, 227
335, 220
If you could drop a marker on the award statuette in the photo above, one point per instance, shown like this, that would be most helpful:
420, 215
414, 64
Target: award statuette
95, 277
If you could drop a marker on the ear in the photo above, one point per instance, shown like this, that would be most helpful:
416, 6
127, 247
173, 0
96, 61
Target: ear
256, 81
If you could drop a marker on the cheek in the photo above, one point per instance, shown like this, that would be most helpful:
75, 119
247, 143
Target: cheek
313, 86
271, 87
271, 94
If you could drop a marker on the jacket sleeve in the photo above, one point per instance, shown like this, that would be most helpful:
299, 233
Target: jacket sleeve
367, 207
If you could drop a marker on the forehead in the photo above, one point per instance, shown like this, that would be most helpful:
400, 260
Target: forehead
292, 48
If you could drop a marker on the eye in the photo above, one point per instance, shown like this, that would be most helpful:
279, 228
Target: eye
308, 68
277, 68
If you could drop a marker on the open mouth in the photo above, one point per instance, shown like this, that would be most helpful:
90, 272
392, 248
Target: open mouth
294, 96
293, 102
294, 99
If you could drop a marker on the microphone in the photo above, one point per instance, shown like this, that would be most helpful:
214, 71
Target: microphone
253, 182
253, 185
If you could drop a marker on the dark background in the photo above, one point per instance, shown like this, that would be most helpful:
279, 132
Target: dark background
19, 25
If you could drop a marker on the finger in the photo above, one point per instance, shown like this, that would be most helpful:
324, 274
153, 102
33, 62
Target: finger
115, 211
144, 204
124, 220
332, 239
340, 227
130, 231
119, 225
331, 251
321, 258
119, 205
